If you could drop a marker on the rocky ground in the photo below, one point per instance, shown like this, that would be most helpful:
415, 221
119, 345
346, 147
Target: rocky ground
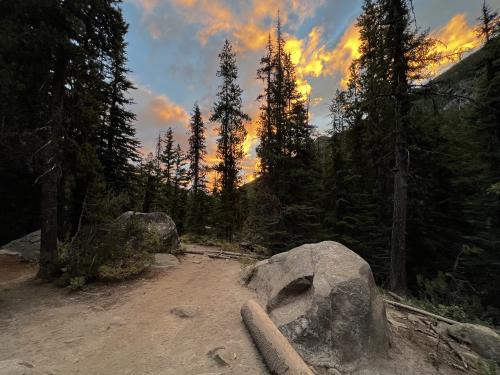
183, 319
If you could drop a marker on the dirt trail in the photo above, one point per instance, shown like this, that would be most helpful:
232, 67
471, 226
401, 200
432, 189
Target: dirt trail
128, 328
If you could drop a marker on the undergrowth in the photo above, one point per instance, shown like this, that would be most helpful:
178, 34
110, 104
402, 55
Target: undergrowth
211, 241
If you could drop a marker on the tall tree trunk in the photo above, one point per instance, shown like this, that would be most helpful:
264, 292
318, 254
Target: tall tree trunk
398, 282
50, 178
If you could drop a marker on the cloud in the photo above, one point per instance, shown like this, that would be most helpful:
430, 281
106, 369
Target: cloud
164, 111
313, 58
155, 114
455, 38
189, 32
247, 24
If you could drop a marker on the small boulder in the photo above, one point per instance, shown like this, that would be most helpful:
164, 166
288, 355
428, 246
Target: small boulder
185, 311
27, 247
220, 355
483, 340
323, 298
157, 223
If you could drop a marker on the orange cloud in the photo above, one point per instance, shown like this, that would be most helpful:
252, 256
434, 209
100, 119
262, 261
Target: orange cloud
165, 111
247, 23
455, 38
313, 58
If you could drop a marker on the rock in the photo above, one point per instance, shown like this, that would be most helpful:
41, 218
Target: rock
185, 311
15, 367
163, 260
483, 340
160, 223
323, 298
246, 274
27, 247
220, 356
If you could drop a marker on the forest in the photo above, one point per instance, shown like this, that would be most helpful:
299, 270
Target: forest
408, 175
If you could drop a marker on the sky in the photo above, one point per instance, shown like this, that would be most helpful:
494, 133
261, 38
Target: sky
173, 48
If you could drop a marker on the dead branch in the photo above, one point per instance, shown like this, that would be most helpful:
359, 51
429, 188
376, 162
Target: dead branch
422, 312
227, 253
45, 173
220, 256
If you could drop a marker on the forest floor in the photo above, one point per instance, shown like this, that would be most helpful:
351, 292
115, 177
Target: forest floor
129, 327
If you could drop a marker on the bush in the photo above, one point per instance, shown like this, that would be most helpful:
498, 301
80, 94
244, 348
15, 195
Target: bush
76, 283
107, 249
130, 264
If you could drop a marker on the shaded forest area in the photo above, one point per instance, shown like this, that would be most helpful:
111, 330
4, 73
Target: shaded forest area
408, 176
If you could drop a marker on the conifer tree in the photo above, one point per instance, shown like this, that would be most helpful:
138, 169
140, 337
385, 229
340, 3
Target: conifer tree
60, 82
118, 145
409, 52
489, 23
167, 156
197, 172
227, 111
285, 151
180, 180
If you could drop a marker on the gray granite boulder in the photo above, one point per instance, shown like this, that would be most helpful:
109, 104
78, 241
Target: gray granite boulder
160, 224
483, 340
323, 298
27, 247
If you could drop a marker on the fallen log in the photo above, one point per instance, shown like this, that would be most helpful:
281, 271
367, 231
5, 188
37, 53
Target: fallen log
280, 356
221, 256
227, 253
421, 312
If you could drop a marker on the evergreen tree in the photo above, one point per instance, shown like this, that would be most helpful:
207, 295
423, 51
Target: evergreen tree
197, 172
489, 23
167, 156
408, 53
228, 113
287, 189
56, 57
180, 181
118, 145
149, 172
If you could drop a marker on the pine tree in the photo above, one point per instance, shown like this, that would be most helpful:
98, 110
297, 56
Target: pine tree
489, 23
227, 111
287, 188
409, 53
197, 172
149, 172
118, 144
180, 181
167, 156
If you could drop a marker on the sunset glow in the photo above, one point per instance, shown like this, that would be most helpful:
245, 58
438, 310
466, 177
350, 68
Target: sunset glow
322, 52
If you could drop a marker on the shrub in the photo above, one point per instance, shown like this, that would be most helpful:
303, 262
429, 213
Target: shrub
76, 283
108, 249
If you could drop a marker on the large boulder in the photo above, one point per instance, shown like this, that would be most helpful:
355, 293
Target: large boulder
27, 247
483, 340
157, 223
323, 298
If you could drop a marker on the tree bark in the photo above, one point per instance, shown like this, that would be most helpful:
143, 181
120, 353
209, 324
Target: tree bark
49, 259
398, 282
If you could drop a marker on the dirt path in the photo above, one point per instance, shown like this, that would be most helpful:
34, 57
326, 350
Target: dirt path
128, 328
